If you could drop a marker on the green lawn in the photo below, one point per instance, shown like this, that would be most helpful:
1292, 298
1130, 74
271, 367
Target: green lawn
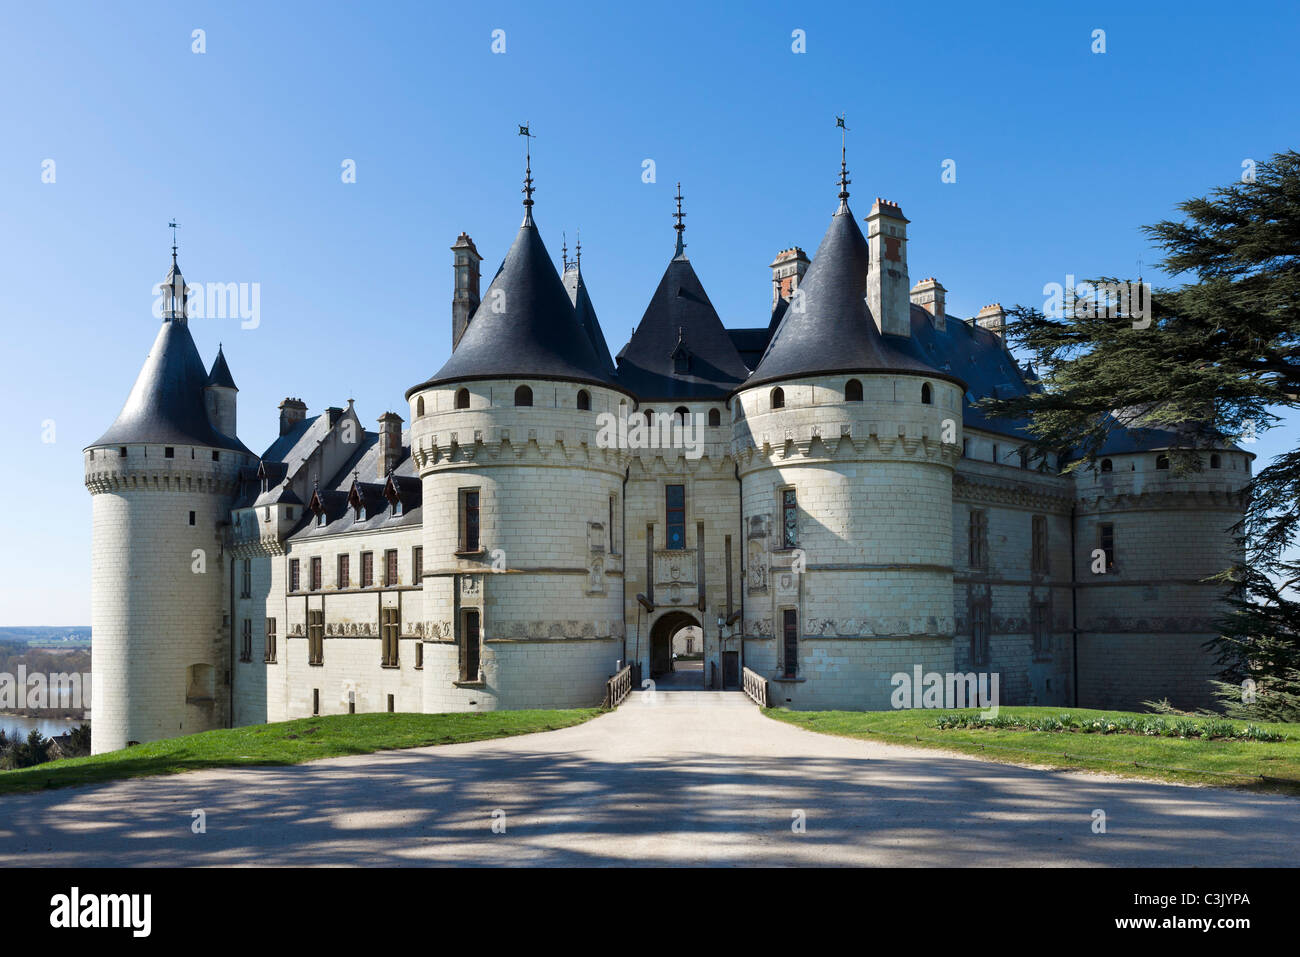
1258, 765
289, 742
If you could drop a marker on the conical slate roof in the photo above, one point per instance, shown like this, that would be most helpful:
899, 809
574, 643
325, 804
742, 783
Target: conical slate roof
828, 327
166, 404
586, 316
680, 319
220, 374
525, 326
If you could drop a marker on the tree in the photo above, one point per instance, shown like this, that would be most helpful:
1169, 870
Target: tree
1219, 358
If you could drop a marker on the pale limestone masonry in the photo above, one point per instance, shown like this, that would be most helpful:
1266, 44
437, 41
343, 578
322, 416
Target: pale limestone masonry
877, 512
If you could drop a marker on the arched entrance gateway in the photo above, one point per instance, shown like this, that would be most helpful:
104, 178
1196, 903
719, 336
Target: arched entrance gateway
680, 633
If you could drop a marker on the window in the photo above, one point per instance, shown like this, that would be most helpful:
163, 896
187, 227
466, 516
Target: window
295, 583
965, 448
1162, 462
789, 519
315, 574
675, 514
419, 406
269, 656
778, 398
246, 640
316, 636
584, 400
419, 655
610, 527
853, 391
367, 569
927, 397
390, 568
1041, 560
417, 565
790, 642
345, 571
390, 704
390, 628
469, 520
470, 648
192, 518
216, 456
315, 700
320, 517
169, 452
121, 452
246, 578
1215, 461
462, 398
995, 452
979, 632
979, 538
715, 418
1107, 465
649, 416
1106, 542
1041, 627
523, 396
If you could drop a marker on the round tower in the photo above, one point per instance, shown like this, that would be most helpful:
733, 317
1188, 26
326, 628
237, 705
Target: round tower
162, 480
846, 440
522, 559
1146, 537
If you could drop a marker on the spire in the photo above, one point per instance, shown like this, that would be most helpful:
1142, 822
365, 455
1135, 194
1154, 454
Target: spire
528, 174
844, 170
577, 253
681, 246
219, 375
172, 287
564, 250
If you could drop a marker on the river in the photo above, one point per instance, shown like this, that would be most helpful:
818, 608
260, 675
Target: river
47, 726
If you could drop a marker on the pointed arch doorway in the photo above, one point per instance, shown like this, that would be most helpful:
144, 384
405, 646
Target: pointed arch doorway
681, 632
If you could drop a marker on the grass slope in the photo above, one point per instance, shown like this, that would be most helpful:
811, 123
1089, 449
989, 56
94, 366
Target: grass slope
1257, 765
289, 742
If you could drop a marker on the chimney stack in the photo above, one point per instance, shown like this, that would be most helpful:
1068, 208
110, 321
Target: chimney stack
930, 295
390, 443
465, 298
993, 318
887, 285
787, 272
292, 411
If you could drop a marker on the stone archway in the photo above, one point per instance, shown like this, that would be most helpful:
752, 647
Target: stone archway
661, 640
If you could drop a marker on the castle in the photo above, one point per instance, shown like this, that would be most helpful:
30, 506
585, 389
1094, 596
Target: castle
848, 513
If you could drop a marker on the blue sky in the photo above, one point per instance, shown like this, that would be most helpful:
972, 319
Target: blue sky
1061, 154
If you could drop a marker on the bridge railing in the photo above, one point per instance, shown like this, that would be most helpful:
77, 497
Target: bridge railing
617, 688
756, 686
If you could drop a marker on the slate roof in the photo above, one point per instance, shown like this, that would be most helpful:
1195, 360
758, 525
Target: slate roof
220, 374
833, 330
525, 325
680, 316
360, 475
166, 405
585, 313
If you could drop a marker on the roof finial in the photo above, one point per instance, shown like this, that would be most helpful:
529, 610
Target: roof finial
577, 253
173, 224
564, 250
844, 170
528, 174
681, 246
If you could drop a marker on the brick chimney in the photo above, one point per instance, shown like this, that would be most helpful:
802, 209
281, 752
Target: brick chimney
993, 318
887, 285
787, 272
465, 298
390, 443
292, 411
930, 295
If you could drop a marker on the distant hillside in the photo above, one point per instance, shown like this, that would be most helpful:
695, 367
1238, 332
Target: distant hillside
47, 634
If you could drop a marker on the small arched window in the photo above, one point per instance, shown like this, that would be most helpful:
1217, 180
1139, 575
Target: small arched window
927, 397
462, 398
681, 412
778, 398
523, 395
715, 417
1162, 462
853, 391
419, 406
584, 400
1215, 461
1107, 465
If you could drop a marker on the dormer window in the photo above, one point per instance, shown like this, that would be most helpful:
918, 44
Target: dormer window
584, 400
1107, 465
927, 397
169, 452
778, 398
320, 519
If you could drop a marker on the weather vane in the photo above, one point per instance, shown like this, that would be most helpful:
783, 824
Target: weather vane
528, 165
680, 227
173, 224
844, 169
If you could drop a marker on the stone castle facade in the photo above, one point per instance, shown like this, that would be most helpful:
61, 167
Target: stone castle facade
849, 513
